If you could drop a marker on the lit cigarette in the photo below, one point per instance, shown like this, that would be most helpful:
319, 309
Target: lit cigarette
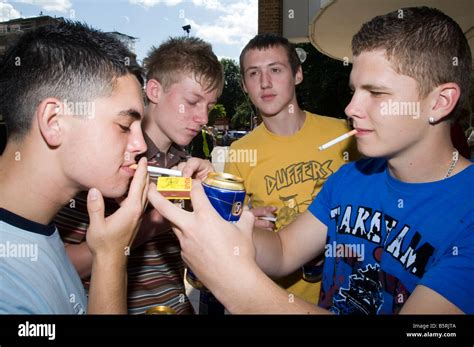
271, 219
337, 140
159, 170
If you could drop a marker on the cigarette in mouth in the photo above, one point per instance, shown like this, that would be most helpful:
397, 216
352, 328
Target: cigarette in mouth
337, 140
271, 219
159, 170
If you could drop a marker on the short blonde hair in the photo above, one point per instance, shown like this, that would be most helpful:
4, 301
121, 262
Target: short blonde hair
179, 56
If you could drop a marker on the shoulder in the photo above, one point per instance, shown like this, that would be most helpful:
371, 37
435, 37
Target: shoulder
251, 139
361, 168
318, 120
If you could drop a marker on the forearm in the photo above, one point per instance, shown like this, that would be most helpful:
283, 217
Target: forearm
251, 292
108, 287
268, 252
81, 257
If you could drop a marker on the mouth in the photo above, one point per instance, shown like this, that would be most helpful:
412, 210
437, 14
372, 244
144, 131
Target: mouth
268, 97
193, 131
362, 131
127, 169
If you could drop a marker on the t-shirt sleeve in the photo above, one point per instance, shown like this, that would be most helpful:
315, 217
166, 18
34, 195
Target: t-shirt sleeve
453, 276
321, 205
15, 300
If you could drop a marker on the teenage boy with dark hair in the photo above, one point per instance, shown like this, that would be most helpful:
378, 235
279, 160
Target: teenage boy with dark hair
67, 90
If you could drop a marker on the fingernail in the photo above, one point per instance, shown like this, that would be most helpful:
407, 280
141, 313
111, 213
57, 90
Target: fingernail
93, 194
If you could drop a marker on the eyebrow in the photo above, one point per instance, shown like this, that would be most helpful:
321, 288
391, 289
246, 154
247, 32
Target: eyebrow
271, 64
200, 97
131, 113
371, 87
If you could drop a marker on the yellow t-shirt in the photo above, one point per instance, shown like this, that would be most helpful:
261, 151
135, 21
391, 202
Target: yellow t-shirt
288, 172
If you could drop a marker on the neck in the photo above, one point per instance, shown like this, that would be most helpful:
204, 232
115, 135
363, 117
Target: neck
35, 192
285, 123
428, 161
155, 133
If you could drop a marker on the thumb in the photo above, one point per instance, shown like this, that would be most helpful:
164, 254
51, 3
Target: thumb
95, 207
246, 222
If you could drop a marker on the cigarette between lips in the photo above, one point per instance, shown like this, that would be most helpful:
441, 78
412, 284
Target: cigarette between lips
271, 219
159, 170
337, 140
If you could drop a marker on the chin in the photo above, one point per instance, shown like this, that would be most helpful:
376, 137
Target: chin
270, 112
369, 151
183, 142
114, 192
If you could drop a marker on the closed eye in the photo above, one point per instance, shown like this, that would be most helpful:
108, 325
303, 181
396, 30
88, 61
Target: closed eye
376, 94
124, 128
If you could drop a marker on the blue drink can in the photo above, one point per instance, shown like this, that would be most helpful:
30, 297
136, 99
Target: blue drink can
226, 193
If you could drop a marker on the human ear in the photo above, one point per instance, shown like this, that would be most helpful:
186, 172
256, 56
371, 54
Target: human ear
48, 116
153, 89
299, 76
242, 83
445, 97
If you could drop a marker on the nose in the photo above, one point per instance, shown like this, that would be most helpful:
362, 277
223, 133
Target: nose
137, 143
201, 116
353, 110
265, 80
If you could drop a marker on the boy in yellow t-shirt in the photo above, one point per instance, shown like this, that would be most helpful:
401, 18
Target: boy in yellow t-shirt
282, 168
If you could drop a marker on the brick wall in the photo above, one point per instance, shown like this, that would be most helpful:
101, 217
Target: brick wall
270, 16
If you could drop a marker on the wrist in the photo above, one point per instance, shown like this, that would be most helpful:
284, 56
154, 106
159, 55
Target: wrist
111, 258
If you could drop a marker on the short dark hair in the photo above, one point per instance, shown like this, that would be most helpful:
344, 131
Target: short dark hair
67, 60
266, 40
422, 43
179, 55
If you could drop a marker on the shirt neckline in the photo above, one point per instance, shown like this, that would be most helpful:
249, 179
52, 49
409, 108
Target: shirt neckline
293, 137
26, 224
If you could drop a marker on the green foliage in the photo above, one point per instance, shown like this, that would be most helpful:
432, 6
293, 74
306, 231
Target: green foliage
232, 95
243, 116
217, 112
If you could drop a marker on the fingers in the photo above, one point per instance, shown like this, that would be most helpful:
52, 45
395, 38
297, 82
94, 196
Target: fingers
265, 211
197, 168
174, 214
139, 181
264, 224
200, 200
95, 207
145, 192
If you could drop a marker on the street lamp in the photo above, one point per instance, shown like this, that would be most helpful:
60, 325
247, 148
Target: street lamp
187, 28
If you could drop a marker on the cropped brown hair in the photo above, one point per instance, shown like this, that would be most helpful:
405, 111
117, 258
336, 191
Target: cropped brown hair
422, 43
267, 40
181, 55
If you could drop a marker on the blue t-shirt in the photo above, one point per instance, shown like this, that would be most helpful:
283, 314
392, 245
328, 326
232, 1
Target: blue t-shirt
385, 237
36, 275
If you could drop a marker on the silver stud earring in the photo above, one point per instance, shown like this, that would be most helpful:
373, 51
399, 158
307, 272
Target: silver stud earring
431, 120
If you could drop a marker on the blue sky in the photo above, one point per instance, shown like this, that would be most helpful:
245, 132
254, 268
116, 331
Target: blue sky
226, 24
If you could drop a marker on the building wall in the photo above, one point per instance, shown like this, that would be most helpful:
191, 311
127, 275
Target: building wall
289, 18
270, 16
12, 29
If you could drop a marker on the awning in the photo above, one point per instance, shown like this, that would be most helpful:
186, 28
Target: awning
332, 28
